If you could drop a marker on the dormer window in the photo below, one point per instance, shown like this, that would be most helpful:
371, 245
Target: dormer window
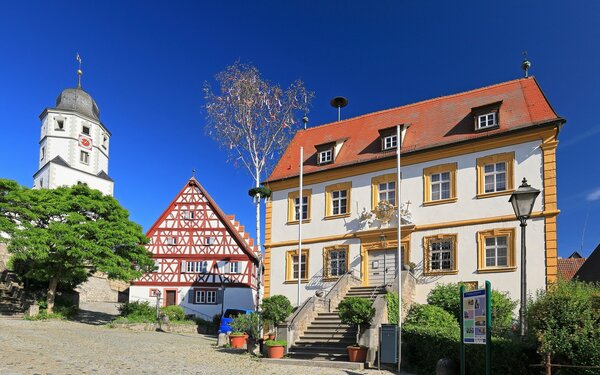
486, 116
325, 156
486, 120
390, 142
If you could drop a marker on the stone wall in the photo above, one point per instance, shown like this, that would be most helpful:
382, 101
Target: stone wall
98, 288
3, 256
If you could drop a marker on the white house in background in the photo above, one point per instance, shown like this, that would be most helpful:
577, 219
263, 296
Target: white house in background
74, 144
205, 262
462, 156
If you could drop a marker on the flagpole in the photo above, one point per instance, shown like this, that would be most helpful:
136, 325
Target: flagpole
300, 217
399, 204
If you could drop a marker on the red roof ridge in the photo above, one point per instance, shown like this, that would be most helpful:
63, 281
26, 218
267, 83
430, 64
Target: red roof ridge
425, 101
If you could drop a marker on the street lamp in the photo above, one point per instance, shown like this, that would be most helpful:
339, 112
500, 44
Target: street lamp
522, 201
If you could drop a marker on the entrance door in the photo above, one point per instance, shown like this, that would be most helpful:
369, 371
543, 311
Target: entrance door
382, 266
171, 297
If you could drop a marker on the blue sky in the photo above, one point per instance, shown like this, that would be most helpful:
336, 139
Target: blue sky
145, 63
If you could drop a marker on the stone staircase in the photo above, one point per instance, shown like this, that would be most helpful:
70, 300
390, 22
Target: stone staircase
326, 338
10, 297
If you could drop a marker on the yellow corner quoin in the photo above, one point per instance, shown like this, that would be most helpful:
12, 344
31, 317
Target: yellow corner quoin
511, 252
550, 203
267, 261
427, 172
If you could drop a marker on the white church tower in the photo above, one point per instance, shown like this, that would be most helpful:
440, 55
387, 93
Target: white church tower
74, 143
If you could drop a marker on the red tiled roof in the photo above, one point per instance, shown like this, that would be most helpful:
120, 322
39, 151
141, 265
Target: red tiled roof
568, 267
433, 122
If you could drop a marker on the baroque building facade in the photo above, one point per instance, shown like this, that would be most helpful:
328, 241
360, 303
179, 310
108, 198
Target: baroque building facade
461, 157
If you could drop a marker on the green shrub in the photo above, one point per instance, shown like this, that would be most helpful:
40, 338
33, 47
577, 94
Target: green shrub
356, 311
565, 320
276, 309
392, 307
447, 296
63, 309
173, 312
431, 333
139, 311
248, 323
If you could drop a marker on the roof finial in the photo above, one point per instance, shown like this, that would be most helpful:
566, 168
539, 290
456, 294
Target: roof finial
194, 173
79, 71
305, 120
526, 64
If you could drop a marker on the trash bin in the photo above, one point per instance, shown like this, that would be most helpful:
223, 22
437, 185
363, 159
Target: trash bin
388, 343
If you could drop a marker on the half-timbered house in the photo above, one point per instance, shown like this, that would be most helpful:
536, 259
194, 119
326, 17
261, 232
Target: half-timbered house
204, 261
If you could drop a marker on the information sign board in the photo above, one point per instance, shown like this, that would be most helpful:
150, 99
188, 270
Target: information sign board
474, 317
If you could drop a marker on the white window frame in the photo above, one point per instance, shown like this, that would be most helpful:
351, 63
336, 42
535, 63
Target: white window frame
172, 241
211, 297
84, 157
495, 173
295, 267
188, 215
199, 296
234, 267
390, 142
495, 247
486, 120
297, 208
340, 262
387, 192
339, 199
440, 183
326, 156
83, 129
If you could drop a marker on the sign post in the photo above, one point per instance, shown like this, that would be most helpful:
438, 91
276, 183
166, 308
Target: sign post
476, 323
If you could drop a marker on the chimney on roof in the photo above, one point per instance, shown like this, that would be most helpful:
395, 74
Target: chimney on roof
339, 102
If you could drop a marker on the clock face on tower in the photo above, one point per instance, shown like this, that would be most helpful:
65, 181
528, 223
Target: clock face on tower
85, 142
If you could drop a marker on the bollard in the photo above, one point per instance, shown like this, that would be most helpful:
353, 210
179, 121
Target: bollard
446, 366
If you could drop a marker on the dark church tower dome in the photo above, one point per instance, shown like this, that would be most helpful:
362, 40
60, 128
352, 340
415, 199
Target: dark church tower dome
77, 100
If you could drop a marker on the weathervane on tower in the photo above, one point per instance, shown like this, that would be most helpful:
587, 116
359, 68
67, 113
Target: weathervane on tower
79, 71
526, 64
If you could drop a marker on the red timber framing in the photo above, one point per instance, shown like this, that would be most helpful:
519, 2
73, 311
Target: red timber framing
195, 244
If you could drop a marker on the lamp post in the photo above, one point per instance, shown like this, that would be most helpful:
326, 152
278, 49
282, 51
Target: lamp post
522, 201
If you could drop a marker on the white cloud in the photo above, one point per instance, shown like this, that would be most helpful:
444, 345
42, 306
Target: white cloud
594, 195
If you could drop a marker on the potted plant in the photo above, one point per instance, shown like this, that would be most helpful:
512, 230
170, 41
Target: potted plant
237, 339
246, 326
275, 348
276, 309
356, 311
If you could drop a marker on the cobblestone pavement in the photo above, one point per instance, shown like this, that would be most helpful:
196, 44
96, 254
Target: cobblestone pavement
59, 347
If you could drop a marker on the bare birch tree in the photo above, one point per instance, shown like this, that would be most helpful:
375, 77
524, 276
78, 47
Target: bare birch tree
254, 120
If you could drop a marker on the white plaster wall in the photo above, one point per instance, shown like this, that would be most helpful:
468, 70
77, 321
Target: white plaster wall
62, 176
528, 163
235, 298
315, 269
467, 254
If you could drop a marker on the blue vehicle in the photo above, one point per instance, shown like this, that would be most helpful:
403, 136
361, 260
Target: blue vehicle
228, 317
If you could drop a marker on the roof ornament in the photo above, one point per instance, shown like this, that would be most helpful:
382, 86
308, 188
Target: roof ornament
339, 102
526, 64
193, 172
305, 120
79, 71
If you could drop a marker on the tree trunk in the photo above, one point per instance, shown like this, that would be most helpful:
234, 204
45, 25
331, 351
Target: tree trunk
51, 294
260, 262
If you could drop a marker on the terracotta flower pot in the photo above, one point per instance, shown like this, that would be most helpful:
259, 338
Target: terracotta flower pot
271, 336
237, 342
357, 353
275, 351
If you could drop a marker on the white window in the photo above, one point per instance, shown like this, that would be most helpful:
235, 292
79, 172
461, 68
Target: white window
325, 156
339, 202
389, 142
156, 266
85, 130
496, 251
387, 192
60, 125
171, 240
196, 267
42, 182
304, 208
188, 215
84, 157
43, 153
440, 186
495, 177
337, 262
205, 296
234, 267
210, 241
441, 255
295, 266
486, 121
202, 267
